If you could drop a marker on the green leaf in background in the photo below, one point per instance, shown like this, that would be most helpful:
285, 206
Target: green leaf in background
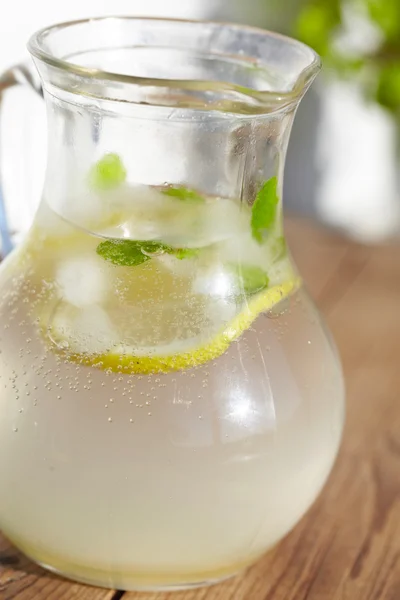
388, 91
183, 193
319, 24
386, 14
316, 22
264, 209
250, 279
109, 172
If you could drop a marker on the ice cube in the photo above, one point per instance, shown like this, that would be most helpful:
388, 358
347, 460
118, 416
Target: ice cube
145, 213
243, 249
86, 330
196, 225
179, 267
85, 210
82, 280
224, 219
141, 213
215, 281
95, 330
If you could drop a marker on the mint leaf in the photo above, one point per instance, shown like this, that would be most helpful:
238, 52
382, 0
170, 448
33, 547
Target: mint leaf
124, 253
183, 193
153, 247
109, 172
264, 209
250, 279
129, 253
182, 253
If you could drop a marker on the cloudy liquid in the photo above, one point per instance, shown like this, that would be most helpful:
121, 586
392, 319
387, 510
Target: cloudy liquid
164, 480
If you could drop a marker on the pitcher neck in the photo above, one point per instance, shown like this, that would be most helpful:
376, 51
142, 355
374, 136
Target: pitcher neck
227, 156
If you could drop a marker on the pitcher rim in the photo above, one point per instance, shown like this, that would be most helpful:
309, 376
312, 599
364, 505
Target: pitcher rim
278, 98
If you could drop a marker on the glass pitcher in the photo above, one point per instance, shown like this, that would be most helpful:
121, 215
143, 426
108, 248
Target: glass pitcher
171, 403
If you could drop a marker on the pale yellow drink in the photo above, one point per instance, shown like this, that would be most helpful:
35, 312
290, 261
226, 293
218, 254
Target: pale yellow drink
161, 424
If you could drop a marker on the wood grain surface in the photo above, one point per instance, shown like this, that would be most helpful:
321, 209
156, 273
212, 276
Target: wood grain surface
348, 545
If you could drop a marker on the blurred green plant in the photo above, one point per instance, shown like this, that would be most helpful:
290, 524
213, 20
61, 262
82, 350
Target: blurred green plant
322, 24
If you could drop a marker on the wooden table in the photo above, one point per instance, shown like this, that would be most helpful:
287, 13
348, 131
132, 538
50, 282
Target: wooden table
348, 545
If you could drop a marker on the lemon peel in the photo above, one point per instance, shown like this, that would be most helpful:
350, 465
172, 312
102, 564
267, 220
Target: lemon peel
126, 362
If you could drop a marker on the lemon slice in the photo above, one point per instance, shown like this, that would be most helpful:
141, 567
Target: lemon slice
154, 317
122, 359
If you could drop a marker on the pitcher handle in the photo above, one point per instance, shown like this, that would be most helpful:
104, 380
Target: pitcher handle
21, 74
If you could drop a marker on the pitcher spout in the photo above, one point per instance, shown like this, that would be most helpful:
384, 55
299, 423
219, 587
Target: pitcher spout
175, 63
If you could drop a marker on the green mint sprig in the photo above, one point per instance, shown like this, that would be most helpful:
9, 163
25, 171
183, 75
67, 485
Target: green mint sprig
124, 253
183, 193
107, 173
249, 279
182, 253
264, 209
130, 253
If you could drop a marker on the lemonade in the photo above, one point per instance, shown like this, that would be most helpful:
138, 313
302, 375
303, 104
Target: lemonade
170, 402
169, 399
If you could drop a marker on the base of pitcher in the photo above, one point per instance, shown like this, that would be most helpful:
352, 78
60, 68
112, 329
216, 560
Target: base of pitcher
134, 587
131, 579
